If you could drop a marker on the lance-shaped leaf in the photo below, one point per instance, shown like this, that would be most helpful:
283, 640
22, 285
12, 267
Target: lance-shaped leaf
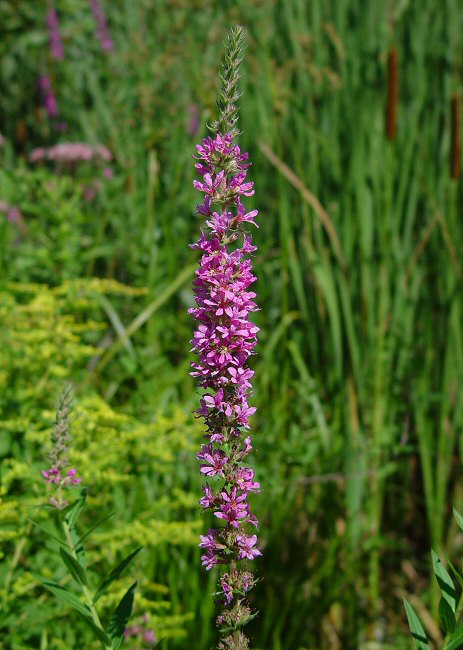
455, 642
458, 518
48, 532
445, 581
64, 594
90, 531
72, 512
447, 617
98, 632
418, 633
115, 574
121, 616
76, 569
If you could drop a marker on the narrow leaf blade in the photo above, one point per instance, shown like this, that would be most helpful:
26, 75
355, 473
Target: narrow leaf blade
63, 594
100, 523
455, 642
72, 512
99, 633
75, 568
458, 518
115, 574
445, 581
418, 633
447, 617
121, 617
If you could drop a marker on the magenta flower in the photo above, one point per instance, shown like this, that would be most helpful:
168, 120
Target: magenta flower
224, 343
246, 544
102, 31
56, 45
48, 96
59, 474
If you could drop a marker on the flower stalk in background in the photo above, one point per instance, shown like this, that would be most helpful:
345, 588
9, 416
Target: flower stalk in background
102, 31
56, 44
224, 341
71, 548
59, 473
48, 96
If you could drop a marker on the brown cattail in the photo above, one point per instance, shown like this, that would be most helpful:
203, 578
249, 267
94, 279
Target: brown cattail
455, 153
392, 94
21, 133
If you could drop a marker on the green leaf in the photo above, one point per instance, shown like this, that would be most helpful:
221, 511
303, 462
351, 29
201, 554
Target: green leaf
64, 594
458, 518
45, 530
456, 573
78, 546
121, 616
445, 581
455, 642
115, 574
447, 617
73, 511
99, 633
76, 569
418, 633
90, 531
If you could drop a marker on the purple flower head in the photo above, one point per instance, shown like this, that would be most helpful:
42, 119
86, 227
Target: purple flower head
194, 112
48, 96
59, 474
224, 342
143, 635
209, 560
246, 545
102, 31
71, 154
56, 45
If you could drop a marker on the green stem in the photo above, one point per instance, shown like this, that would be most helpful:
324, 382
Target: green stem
85, 590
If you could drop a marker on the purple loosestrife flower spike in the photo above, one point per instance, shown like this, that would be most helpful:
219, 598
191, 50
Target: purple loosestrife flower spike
224, 341
59, 472
56, 45
102, 32
49, 100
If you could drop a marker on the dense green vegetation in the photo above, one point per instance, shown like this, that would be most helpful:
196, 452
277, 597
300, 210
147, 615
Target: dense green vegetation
359, 371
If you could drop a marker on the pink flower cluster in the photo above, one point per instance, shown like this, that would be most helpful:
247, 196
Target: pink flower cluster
141, 634
224, 341
70, 153
53, 475
102, 32
56, 45
48, 96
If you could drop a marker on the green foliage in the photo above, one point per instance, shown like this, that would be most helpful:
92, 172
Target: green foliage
418, 633
48, 336
450, 606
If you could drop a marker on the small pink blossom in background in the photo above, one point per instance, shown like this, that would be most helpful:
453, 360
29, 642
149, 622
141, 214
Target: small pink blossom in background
141, 634
48, 96
71, 153
56, 45
102, 31
13, 215
60, 474
194, 113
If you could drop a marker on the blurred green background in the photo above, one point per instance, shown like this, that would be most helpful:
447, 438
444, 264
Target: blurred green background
359, 371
